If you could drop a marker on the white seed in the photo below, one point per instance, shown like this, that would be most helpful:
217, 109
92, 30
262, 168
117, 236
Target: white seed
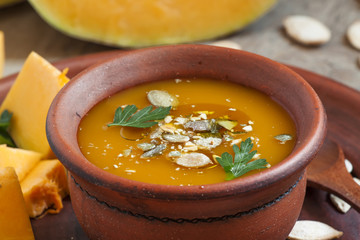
175, 138
168, 128
156, 134
203, 116
168, 119
282, 138
208, 143
339, 204
356, 180
190, 146
348, 165
193, 160
353, 34
160, 98
154, 152
310, 230
126, 152
235, 141
226, 44
247, 128
146, 146
174, 154
306, 30
181, 120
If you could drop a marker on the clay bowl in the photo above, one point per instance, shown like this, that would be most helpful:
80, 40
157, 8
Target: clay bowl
261, 206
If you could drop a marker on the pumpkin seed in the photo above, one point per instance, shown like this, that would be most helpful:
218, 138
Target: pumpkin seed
199, 126
339, 204
228, 138
193, 160
306, 30
310, 230
156, 133
348, 165
209, 134
353, 34
168, 119
161, 98
248, 128
181, 120
226, 44
235, 133
356, 180
190, 146
174, 154
208, 143
126, 152
175, 137
154, 152
283, 138
168, 128
146, 146
227, 124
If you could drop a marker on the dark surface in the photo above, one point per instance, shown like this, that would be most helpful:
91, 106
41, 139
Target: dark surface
342, 106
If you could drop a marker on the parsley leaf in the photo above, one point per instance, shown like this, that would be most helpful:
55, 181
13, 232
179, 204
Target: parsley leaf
144, 118
242, 161
5, 137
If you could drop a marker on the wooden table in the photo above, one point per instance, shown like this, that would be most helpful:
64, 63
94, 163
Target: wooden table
25, 31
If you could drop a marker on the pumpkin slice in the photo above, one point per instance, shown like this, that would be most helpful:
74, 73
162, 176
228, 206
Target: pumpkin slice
29, 100
14, 219
2, 53
21, 160
44, 188
148, 22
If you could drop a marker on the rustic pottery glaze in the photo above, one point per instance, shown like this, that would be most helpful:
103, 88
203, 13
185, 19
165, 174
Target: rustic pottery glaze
260, 206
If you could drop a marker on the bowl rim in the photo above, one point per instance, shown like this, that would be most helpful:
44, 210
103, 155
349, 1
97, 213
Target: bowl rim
79, 166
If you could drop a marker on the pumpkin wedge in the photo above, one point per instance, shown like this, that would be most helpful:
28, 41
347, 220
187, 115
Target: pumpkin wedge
21, 160
44, 188
29, 100
148, 22
14, 219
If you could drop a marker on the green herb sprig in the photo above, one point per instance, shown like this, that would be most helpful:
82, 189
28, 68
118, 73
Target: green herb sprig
144, 118
5, 137
242, 161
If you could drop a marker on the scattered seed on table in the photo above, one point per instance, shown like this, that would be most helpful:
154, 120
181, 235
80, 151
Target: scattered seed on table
306, 30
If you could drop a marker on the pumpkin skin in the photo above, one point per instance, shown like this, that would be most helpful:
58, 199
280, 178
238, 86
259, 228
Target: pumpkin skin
147, 22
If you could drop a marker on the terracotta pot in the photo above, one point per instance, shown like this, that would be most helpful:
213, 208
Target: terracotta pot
260, 206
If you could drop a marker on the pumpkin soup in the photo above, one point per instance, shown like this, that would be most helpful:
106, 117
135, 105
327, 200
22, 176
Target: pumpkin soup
186, 132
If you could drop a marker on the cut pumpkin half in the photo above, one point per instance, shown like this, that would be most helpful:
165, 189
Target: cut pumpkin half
150, 22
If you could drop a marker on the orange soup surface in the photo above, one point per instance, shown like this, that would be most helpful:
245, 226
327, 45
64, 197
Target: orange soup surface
207, 118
